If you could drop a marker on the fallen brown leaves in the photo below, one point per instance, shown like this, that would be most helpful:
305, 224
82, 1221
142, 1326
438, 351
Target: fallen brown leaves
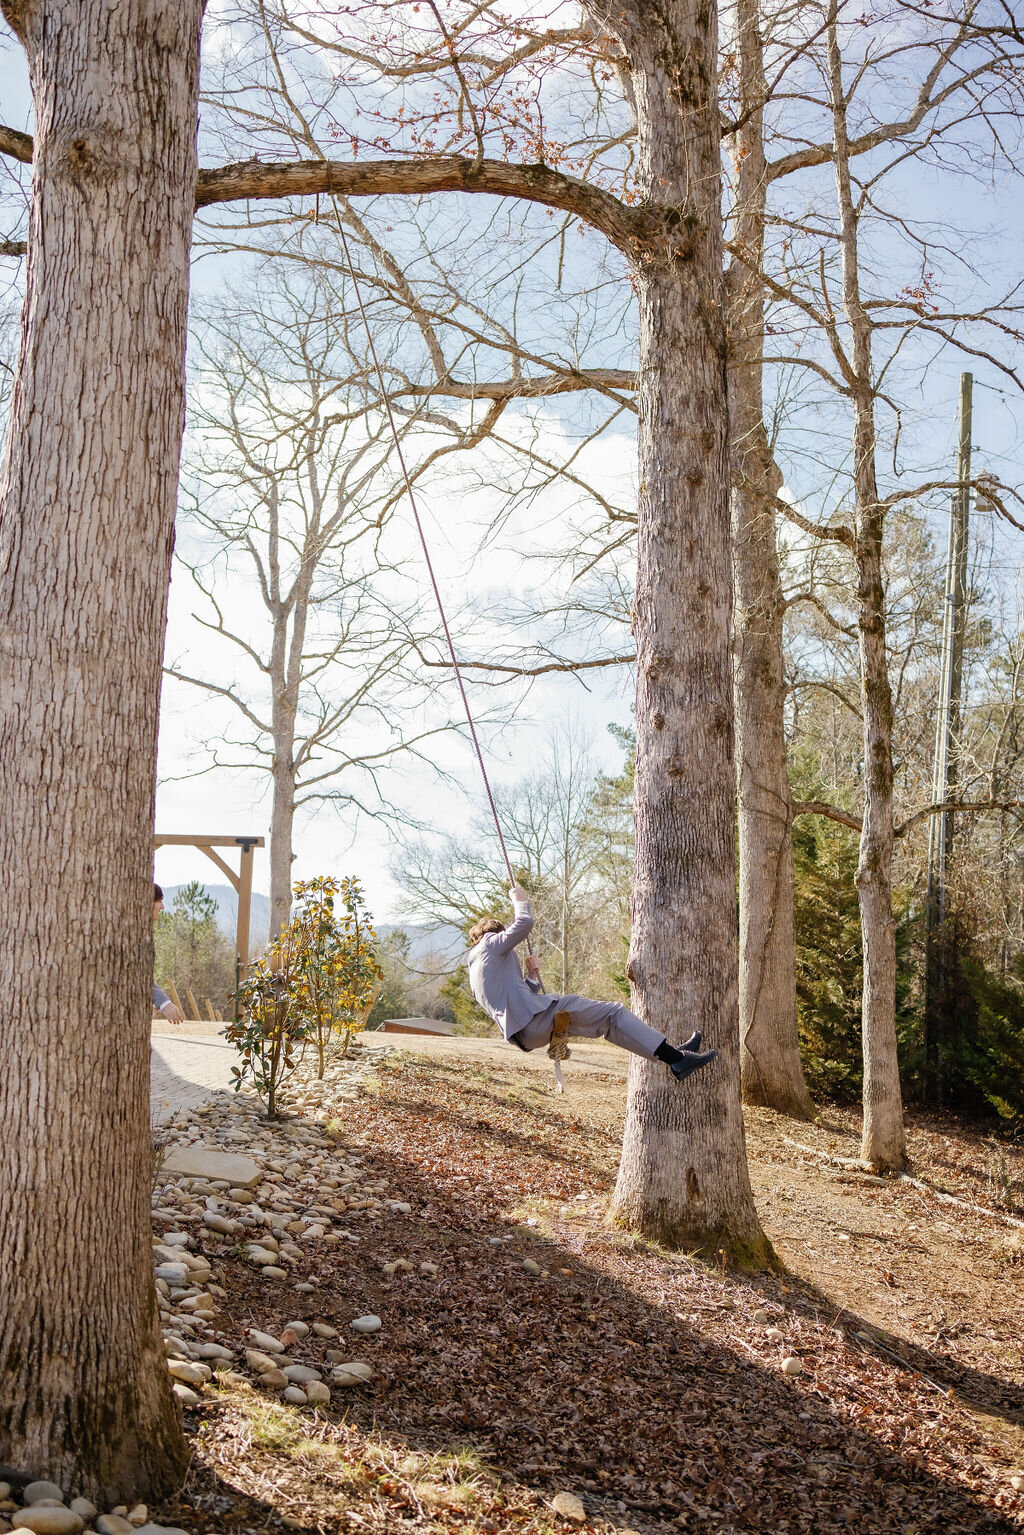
647, 1384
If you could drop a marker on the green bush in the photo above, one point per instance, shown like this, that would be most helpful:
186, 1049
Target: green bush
987, 1058
337, 974
829, 958
314, 985
270, 1031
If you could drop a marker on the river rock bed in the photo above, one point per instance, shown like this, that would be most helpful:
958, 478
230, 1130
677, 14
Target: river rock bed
288, 1191
231, 1185
42, 1507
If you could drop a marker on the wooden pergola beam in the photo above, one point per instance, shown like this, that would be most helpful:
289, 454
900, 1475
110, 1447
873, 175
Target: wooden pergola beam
241, 882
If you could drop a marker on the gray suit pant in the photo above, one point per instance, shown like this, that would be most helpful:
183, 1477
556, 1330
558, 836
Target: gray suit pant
591, 1020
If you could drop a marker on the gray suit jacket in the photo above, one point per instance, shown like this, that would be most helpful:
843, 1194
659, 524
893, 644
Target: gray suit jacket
497, 982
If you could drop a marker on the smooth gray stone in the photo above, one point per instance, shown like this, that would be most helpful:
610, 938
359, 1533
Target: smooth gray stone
172, 1273
114, 1524
204, 1162
35, 1492
54, 1520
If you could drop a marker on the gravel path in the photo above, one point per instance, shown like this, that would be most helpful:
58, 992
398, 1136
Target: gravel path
185, 1071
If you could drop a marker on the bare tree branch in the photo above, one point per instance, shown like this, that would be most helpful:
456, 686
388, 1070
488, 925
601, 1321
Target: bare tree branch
627, 228
16, 145
532, 671
526, 388
960, 806
830, 812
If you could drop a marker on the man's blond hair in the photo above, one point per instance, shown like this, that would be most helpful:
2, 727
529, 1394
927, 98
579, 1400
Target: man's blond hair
485, 925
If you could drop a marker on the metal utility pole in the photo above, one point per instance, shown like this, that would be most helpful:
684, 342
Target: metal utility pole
945, 774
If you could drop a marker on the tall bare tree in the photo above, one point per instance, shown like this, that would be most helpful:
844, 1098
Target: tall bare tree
668, 229
684, 960
309, 614
87, 500
769, 1044
964, 63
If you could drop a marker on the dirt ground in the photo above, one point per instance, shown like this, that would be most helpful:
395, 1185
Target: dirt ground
918, 1271
645, 1382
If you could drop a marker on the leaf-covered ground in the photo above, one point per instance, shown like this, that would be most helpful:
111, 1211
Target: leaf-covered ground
647, 1384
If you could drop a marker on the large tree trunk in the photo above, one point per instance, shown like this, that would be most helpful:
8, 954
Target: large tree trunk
771, 1069
884, 1142
770, 1066
683, 1175
87, 500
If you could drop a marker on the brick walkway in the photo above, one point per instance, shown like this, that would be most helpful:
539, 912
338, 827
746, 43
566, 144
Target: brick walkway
185, 1071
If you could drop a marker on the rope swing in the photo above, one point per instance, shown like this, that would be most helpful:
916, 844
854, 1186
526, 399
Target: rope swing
558, 1049
423, 542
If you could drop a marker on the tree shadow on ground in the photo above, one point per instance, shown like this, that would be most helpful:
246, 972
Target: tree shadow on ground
609, 1373
520, 1141
170, 1093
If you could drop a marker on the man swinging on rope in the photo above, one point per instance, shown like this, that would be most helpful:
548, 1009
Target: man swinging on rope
525, 1014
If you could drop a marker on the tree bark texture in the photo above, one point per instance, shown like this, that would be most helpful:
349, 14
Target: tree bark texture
884, 1142
770, 1067
87, 501
683, 1175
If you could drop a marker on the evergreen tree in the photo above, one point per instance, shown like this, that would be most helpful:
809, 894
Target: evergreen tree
828, 956
393, 958
191, 951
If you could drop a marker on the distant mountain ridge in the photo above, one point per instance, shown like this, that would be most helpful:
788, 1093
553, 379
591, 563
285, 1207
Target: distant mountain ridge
227, 911
422, 940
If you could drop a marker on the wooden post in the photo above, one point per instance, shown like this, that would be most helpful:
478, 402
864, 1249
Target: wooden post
244, 901
174, 997
193, 1004
241, 882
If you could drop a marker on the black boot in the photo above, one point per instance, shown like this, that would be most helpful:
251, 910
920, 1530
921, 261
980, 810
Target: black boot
673, 1054
669, 1053
690, 1062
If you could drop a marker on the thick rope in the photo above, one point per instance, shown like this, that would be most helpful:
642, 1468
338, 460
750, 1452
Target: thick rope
558, 1049
423, 543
